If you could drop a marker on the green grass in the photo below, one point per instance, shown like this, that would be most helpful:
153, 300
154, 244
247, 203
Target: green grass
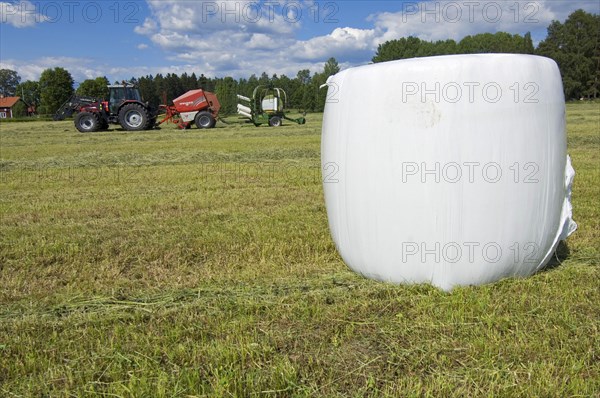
199, 263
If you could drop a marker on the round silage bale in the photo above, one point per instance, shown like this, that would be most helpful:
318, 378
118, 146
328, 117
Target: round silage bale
450, 170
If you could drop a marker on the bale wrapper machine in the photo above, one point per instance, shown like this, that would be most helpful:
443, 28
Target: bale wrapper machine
267, 105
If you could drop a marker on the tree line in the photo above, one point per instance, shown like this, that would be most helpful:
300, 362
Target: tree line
574, 45
303, 90
411, 47
56, 86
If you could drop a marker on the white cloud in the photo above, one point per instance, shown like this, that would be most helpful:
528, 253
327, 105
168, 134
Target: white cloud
260, 41
23, 14
443, 20
440, 20
238, 39
147, 28
221, 38
80, 68
342, 42
206, 17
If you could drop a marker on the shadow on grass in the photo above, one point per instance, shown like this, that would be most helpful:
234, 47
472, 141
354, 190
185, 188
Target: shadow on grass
561, 254
122, 130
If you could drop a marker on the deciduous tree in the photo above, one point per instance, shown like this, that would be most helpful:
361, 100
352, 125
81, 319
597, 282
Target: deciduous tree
56, 87
574, 46
29, 92
9, 80
95, 88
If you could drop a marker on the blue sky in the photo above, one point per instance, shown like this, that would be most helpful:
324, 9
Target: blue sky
121, 39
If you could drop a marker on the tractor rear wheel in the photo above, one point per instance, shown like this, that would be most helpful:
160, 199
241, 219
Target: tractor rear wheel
133, 117
275, 121
87, 122
205, 120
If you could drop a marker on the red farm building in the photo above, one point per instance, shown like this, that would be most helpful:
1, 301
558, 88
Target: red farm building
6, 105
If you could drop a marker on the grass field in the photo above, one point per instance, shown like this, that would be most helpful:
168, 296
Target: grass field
199, 263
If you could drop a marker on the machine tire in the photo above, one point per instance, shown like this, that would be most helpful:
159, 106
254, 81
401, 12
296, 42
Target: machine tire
133, 117
275, 121
204, 120
87, 122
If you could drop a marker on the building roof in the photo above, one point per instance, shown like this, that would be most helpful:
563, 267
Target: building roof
8, 102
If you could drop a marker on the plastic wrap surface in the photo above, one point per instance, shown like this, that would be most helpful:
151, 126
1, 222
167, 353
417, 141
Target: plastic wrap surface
450, 170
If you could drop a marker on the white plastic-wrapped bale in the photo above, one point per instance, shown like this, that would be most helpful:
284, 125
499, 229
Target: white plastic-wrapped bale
450, 170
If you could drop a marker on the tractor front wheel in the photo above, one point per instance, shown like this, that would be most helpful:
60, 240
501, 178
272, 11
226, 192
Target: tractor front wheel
87, 122
204, 120
275, 121
133, 117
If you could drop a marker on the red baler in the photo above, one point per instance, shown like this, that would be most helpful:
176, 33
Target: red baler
196, 106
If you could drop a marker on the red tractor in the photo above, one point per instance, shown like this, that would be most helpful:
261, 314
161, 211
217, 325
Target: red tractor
126, 108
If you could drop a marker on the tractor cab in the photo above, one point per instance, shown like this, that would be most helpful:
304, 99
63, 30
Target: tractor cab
120, 93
